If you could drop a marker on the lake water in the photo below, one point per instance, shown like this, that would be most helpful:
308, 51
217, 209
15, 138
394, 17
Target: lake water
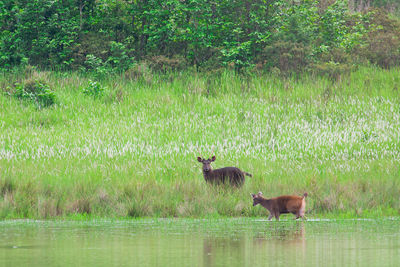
200, 242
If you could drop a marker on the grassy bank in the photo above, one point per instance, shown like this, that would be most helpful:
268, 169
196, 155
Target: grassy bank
133, 151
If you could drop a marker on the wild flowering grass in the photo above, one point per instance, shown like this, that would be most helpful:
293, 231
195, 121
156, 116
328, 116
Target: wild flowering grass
133, 151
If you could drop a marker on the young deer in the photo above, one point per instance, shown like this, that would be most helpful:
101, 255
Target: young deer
283, 204
232, 175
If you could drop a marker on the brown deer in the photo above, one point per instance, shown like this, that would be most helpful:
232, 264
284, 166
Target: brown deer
232, 175
283, 204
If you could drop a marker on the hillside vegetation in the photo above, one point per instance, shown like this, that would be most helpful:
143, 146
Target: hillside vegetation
325, 36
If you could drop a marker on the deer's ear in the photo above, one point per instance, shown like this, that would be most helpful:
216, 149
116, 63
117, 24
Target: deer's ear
252, 195
199, 159
260, 193
213, 158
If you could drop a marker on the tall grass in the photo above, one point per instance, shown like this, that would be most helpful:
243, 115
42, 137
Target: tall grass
133, 151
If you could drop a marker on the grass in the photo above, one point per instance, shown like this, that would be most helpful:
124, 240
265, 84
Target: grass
133, 151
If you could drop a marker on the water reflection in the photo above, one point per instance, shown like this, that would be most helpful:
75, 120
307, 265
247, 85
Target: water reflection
217, 250
244, 247
283, 232
203, 243
286, 242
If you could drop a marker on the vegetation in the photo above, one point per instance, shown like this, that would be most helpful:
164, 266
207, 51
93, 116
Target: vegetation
113, 36
37, 92
133, 151
105, 106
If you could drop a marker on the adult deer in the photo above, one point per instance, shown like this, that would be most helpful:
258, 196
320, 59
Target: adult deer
231, 175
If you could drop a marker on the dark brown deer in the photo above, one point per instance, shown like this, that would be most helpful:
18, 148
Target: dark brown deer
283, 204
232, 175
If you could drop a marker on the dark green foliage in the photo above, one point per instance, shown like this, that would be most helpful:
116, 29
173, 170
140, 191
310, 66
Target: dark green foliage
334, 64
37, 91
287, 56
90, 43
164, 64
112, 36
119, 58
383, 40
41, 31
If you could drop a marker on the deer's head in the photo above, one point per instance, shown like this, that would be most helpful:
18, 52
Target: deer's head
257, 198
206, 163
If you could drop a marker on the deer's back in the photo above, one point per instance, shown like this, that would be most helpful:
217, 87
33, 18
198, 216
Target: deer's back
232, 174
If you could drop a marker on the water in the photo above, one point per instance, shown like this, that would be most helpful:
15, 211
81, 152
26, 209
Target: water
195, 242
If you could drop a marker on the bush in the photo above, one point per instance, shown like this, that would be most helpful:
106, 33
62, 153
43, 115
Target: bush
333, 70
210, 60
93, 89
140, 71
383, 40
37, 91
96, 65
335, 63
338, 55
237, 54
119, 58
165, 64
95, 44
286, 56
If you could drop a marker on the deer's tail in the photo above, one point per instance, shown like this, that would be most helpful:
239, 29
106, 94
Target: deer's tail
305, 195
248, 174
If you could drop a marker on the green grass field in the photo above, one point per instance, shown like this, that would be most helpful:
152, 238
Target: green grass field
133, 151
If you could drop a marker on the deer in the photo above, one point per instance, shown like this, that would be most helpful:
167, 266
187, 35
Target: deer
282, 204
231, 175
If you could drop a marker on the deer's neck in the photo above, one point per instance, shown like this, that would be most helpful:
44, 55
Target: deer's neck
266, 203
208, 175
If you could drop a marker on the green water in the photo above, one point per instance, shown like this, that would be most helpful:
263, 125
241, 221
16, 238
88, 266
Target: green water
194, 242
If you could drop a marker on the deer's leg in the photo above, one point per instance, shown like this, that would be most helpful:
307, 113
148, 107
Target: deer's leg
270, 216
277, 216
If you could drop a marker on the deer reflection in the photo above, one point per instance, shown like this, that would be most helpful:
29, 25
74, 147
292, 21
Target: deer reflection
275, 239
284, 232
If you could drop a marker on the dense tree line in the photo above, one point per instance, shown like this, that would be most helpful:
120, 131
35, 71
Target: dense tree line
174, 34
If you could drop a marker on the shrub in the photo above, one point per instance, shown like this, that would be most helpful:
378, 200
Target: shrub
237, 54
338, 55
94, 44
93, 89
96, 65
333, 70
119, 59
334, 64
383, 40
140, 71
211, 61
37, 91
165, 64
286, 56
